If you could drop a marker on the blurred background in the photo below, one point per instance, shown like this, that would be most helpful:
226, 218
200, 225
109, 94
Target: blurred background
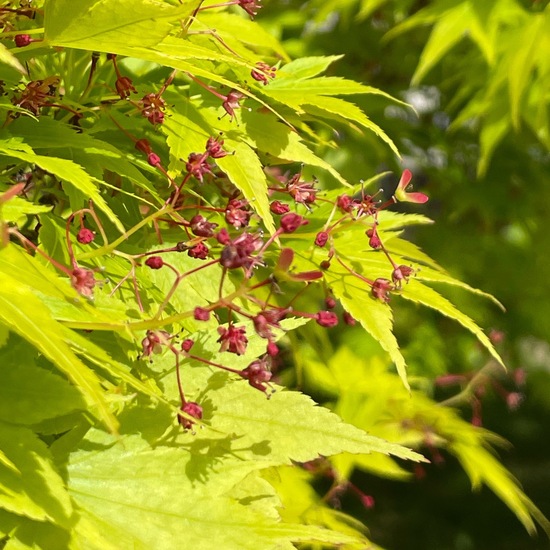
478, 76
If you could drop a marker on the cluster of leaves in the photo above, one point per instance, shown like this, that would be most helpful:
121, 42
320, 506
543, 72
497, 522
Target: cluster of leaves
179, 149
487, 226
499, 83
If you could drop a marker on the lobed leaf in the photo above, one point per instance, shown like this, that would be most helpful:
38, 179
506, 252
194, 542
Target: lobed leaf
129, 505
29, 394
34, 489
67, 171
9, 59
100, 22
22, 312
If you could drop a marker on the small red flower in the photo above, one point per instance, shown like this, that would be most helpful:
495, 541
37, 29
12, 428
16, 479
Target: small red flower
238, 252
197, 165
278, 207
237, 213
199, 251
201, 227
192, 409
144, 146
257, 374
153, 159
153, 341
152, 108
263, 72
250, 6
374, 240
223, 236
268, 319
301, 191
83, 281
514, 400
348, 319
262, 326
233, 339
214, 148
124, 87
367, 501
272, 349
496, 336
345, 203
232, 102
381, 289
36, 94
519, 376
400, 273
327, 319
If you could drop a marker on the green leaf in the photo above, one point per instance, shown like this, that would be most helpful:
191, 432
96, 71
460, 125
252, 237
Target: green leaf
69, 172
84, 25
369, 390
101, 358
37, 535
448, 31
484, 28
17, 209
22, 312
524, 60
337, 108
35, 490
368, 7
297, 92
93, 154
235, 29
27, 268
429, 271
176, 48
8, 463
482, 467
144, 496
301, 503
29, 394
316, 431
375, 316
9, 59
307, 67
260, 427
422, 294
495, 126
270, 136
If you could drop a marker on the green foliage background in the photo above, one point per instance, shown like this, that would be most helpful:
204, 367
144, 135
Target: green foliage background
91, 455
478, 74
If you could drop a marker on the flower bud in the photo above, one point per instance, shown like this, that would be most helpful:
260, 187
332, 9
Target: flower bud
290, 222
85, 236
154, 262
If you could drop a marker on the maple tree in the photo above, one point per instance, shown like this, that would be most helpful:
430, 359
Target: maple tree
176, 249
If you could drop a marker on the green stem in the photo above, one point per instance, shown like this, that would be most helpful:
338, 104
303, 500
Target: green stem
107, 249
